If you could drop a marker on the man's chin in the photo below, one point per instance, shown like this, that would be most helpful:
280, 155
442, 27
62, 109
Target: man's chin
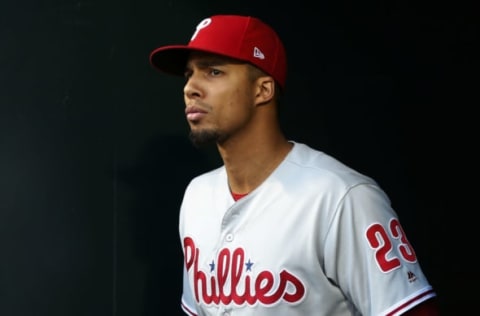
203, 138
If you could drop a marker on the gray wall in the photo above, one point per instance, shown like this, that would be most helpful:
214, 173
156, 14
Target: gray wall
94, 155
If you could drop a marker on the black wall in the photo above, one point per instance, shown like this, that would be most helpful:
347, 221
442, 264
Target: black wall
94, 154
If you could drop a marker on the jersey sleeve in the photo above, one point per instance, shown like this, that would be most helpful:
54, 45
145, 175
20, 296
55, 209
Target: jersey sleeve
188, 301
369, 256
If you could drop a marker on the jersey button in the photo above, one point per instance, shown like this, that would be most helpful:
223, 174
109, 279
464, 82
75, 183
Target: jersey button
229, 237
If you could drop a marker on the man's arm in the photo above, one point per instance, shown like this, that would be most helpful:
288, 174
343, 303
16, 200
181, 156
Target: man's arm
427, 308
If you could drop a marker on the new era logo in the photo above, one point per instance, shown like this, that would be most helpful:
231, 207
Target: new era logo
257, 53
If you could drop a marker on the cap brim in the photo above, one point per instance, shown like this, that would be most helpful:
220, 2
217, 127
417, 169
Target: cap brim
170, 59
173, 59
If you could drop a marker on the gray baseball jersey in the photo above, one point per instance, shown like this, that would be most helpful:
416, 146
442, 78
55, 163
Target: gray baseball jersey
315, 238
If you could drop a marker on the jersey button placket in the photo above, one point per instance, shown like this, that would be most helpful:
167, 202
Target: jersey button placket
229, 237
226, 312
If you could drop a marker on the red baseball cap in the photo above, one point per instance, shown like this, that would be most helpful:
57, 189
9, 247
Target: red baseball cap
244, 38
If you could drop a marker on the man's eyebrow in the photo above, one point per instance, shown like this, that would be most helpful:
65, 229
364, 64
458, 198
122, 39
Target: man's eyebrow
209, 61
213, 62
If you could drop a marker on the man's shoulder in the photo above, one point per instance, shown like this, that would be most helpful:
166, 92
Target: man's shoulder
211, 175
323, 166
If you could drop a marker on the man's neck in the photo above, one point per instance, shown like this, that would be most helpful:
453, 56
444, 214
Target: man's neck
249, 164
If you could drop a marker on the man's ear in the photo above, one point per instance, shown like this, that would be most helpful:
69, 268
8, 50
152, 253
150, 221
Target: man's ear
265, 92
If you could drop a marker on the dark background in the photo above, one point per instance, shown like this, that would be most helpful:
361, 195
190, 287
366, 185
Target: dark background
94, 154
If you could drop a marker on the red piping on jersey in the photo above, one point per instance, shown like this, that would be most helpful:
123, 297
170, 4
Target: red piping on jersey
410, 302
238, 196
188, 311
191, 313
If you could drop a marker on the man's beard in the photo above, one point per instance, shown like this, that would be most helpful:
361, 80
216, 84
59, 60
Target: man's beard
204, 138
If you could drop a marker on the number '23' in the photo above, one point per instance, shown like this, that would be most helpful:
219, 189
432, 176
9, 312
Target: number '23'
383, 240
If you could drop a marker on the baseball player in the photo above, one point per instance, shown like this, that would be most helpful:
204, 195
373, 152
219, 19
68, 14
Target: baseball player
280, 228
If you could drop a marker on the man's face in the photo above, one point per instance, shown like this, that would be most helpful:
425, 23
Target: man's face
219, 97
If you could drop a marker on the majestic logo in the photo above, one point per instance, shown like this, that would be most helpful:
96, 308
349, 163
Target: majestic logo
411, 276
230, 284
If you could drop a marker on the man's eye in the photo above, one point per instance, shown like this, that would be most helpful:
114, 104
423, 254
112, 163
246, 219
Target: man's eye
215, 72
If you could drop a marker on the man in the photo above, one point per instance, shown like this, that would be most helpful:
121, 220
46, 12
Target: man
280, 228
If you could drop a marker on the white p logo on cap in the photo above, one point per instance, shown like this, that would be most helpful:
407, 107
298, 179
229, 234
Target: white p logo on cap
206, 22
